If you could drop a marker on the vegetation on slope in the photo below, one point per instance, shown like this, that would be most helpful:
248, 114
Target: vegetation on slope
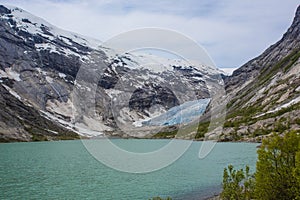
242, 112
277, 173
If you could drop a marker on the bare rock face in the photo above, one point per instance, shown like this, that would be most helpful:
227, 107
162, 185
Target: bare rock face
20, 122
150, 95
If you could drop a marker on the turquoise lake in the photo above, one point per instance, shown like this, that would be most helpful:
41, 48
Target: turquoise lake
66, 170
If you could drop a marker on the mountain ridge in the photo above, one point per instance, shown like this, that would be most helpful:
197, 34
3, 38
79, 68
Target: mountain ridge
271, 55
39, 65
263, 94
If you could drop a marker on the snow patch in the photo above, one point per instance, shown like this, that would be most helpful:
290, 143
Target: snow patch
286, 105
36, 24
112, 92
49, 79
55, 132
46, 46
62, 75
158, 64
55, 49
292, 102
41, 71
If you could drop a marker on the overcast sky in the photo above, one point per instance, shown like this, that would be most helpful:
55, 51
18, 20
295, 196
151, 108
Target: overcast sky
232, 31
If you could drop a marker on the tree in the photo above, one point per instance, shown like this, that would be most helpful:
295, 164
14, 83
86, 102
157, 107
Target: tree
237, 184
297, 174
276, 174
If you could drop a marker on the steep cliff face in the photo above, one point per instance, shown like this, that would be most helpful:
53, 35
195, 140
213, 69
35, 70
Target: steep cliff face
21, 122
39, 64
264, 94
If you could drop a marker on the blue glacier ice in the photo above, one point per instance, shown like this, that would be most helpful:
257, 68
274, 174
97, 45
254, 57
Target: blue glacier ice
183, 113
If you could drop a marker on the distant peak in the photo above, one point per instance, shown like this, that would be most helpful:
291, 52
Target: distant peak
297, 15
298, 11
4, 10
296, 23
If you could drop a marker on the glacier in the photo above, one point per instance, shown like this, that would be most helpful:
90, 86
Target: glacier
181, 114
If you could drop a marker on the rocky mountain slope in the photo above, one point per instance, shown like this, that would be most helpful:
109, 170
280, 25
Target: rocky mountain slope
39, 64
264, 94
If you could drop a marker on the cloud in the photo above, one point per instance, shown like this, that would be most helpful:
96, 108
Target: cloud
232, 31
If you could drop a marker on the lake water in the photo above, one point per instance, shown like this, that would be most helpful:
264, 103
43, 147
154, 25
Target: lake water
66, 170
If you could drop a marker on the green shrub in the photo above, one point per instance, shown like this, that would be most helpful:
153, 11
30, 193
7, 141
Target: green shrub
170, 134
275, 176
202, 129
36, 137
237, 184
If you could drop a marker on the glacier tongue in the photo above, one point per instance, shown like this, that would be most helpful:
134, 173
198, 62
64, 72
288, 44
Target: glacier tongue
183, 113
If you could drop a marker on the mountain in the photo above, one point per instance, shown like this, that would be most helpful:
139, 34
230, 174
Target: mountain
42, 93
264, 94
55, 84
